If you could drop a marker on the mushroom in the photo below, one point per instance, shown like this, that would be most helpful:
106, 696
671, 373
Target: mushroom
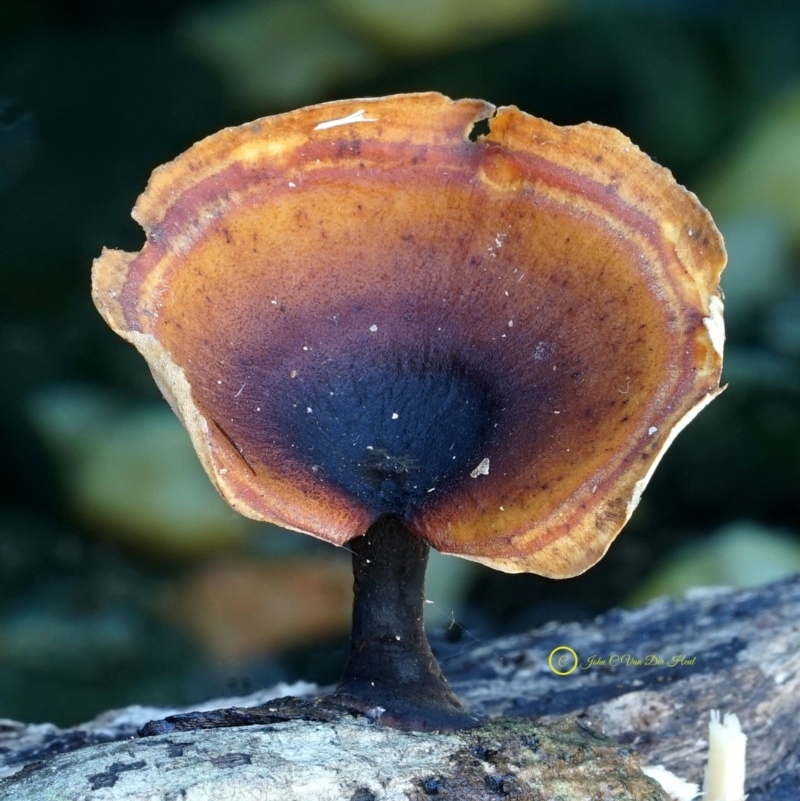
409, 321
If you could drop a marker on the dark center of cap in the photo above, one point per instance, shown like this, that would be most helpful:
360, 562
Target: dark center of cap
389, 431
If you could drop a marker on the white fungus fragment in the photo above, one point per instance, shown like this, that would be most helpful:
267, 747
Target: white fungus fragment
677, 788
715, 324
725, 770
356, 116
481, 470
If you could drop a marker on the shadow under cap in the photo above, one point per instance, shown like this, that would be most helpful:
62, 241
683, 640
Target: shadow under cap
363, 309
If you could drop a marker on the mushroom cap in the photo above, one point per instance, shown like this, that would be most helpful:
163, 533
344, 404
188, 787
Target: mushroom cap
367, 307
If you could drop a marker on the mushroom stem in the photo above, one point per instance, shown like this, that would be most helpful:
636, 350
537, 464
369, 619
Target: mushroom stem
392, 673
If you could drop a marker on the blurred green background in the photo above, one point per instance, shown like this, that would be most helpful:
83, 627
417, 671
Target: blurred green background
123, 578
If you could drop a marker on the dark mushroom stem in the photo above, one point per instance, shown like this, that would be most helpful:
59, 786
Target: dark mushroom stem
392, 674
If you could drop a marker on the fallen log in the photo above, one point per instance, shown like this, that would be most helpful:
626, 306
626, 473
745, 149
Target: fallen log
571, 710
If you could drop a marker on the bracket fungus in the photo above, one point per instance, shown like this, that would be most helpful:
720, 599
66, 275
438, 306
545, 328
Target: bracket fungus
410, 321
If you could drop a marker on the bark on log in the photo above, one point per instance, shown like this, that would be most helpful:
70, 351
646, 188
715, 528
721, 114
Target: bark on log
349, 760
735, 651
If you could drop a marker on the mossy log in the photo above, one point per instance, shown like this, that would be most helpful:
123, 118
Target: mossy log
640, 692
